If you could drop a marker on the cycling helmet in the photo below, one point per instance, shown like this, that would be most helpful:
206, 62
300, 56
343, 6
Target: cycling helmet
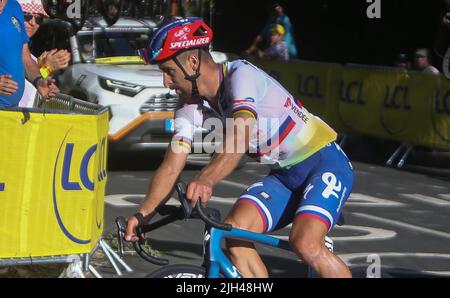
176, 36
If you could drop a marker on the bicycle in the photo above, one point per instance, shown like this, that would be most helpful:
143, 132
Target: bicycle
215, 262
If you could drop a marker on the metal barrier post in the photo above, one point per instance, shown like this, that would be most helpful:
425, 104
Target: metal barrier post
405, 156
394, 155
117, 257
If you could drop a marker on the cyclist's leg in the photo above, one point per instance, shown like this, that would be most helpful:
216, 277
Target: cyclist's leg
325, 194
265, 206
243, 254
307, 239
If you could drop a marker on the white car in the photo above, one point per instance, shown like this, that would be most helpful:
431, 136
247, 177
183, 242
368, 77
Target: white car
106, 70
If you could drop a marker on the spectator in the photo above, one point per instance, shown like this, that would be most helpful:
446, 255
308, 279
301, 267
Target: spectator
49, 62
278, 17
278, 48
87, 51
403, 61
15, 58
422, 62
112, 10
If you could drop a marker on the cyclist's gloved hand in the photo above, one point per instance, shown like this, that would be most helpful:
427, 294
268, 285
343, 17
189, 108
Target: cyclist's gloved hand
199, 189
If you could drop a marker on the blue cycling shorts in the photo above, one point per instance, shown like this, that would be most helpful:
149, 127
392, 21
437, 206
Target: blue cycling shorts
317, 187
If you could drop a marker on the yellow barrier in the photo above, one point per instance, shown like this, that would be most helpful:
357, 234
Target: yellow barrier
308, 81
52, 182
408, 107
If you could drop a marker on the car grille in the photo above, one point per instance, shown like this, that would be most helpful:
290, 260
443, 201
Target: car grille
164, 102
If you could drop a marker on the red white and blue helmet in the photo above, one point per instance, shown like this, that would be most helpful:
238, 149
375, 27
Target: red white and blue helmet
176, 36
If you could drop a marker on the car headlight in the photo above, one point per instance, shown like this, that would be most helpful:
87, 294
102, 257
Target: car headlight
120, 87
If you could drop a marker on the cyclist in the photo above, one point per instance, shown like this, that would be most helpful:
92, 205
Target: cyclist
311, 177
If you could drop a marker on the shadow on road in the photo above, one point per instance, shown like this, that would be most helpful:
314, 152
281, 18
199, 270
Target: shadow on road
134, 161
431, 162
140, 161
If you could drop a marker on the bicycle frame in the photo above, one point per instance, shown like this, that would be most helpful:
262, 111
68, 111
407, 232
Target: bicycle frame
218, 262
214, 259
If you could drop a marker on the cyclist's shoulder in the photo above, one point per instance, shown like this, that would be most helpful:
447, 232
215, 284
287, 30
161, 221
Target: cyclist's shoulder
187, 110
242, 70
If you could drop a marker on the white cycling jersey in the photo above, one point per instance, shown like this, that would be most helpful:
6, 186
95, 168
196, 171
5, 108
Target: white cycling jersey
285, 133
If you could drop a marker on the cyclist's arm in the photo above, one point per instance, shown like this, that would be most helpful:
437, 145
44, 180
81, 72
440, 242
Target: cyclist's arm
224, 163
187, 117
165, 177
159, 189
247, 88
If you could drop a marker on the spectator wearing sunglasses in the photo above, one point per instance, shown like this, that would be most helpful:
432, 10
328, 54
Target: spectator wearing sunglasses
16, 63
49, 62
35, 15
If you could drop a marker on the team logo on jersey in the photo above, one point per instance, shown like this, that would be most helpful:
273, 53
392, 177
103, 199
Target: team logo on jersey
333, 185
288, 104
265, 195
307, 190
16, 24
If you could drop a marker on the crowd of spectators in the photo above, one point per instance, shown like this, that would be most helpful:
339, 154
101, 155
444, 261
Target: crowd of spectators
421, 61
276, 35
22, 74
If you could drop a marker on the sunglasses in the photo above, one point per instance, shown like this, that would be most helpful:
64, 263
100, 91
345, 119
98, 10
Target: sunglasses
37, 17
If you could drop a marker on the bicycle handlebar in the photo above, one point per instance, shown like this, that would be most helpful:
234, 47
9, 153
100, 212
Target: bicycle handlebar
210, 216
137, 245
201, 211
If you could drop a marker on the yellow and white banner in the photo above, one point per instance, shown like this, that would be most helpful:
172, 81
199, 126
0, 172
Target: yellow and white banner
408, 107
52, 182
308, 81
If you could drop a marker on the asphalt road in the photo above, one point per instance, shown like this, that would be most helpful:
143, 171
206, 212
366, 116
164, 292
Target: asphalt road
396, 220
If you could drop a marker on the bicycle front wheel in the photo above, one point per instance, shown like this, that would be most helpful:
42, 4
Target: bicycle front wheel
179, 271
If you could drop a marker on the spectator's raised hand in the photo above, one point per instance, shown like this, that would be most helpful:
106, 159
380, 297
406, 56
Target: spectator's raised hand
47, 88
53, 88
7, 85
56, 59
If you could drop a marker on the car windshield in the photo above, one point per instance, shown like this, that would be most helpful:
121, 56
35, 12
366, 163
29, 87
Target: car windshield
111, 47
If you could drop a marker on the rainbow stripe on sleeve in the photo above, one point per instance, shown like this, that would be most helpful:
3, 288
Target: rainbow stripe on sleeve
182, 141
246, 106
